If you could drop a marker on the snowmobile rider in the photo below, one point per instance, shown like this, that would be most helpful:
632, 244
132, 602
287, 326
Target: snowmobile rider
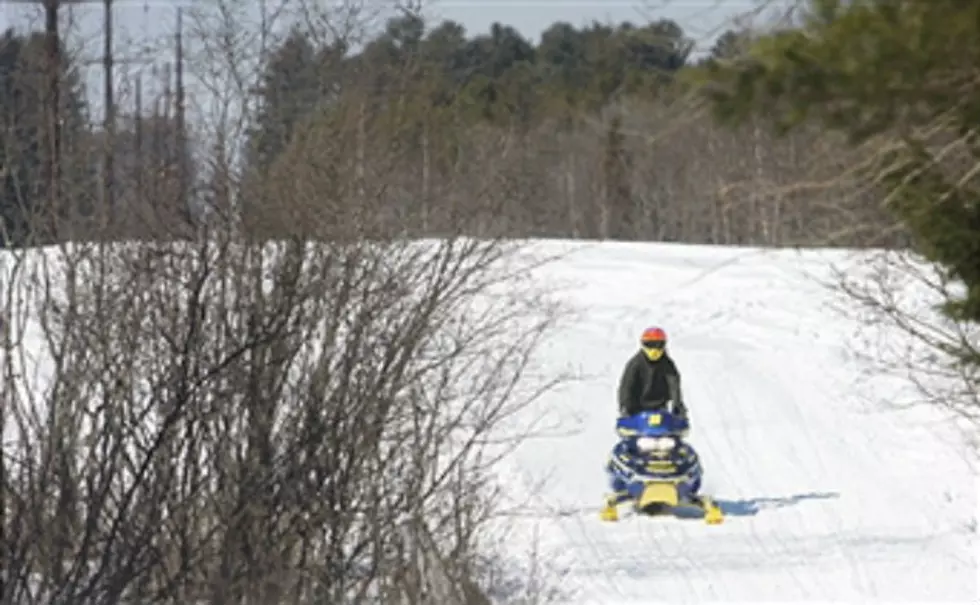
650, 379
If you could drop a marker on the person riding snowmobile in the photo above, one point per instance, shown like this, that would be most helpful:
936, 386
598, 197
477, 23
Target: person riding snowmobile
650, 380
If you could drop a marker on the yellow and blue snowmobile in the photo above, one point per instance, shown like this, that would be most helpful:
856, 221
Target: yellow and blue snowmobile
655, 469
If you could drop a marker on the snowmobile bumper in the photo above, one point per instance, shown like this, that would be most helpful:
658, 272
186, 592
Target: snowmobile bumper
658, 493
662, 496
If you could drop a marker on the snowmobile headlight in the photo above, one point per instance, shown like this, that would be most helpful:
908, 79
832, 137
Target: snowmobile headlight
655, 444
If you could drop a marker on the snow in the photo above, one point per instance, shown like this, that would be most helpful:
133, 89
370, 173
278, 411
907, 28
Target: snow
830, 493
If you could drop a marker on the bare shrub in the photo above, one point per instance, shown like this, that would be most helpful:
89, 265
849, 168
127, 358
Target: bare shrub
306, 415
896, 297
232, 422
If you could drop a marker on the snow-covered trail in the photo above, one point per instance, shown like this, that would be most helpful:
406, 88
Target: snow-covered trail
828, 494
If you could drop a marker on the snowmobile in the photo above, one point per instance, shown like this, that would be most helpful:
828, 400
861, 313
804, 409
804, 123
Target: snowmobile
655, 468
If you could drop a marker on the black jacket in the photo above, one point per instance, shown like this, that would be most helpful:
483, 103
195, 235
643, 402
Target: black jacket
648, 385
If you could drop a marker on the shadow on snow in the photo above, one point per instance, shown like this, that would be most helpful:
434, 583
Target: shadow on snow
749, 507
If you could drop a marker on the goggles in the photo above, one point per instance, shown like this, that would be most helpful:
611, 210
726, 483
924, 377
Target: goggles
653, 349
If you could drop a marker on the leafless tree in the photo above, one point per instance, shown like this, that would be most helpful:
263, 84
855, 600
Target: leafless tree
896, 297
681, 177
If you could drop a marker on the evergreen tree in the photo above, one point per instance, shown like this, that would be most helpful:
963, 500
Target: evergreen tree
26, 134
900, 69
289, 89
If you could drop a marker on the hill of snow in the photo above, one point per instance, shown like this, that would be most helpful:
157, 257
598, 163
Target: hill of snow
830, 492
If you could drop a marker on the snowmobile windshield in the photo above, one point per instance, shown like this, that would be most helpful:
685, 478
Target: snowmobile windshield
651, 424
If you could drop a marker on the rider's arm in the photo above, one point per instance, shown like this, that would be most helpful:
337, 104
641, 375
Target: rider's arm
627, 388
674, 386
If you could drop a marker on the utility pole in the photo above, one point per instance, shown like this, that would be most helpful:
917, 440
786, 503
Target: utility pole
108, 162
183, 187
53, 44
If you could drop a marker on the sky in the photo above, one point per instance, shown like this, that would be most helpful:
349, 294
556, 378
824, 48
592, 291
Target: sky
699, 17
144, 27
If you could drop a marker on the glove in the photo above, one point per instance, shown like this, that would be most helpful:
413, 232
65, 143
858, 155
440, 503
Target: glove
677, 408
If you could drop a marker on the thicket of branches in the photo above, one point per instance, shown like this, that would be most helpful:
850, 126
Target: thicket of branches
210, 416
223, 423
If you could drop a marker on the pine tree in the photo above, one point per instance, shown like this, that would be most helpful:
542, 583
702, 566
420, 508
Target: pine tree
899, 70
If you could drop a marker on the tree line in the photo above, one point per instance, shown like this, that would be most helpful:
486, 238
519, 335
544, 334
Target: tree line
594, 132
604, 136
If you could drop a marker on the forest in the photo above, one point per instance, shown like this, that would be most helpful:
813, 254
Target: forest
596, 132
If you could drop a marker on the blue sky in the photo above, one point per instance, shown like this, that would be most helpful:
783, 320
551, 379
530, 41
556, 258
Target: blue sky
143, 26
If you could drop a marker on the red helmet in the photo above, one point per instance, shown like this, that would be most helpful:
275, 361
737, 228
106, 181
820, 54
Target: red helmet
654, 342
654, 335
